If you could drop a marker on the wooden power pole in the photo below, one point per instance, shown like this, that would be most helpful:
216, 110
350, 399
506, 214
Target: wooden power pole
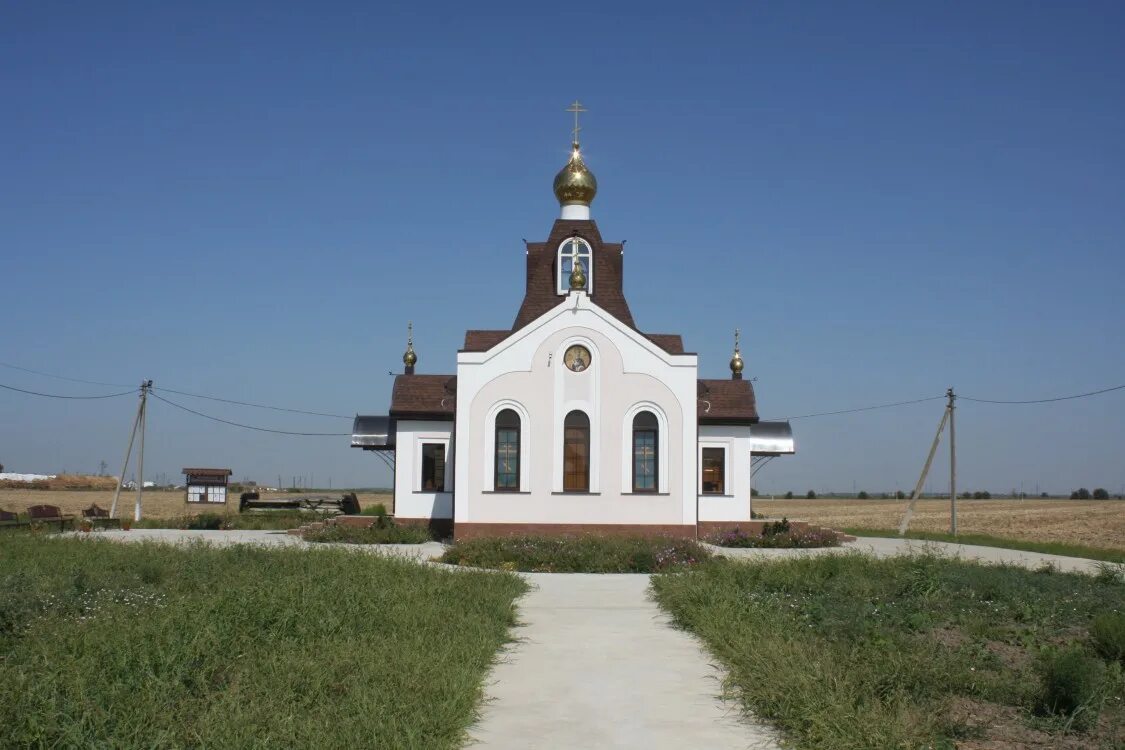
138, 424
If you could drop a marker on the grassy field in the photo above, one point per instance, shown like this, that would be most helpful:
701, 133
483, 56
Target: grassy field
114, 645
1091, 523
853, 652
156, 504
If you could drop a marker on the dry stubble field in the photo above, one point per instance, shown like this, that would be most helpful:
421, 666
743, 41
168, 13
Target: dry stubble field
1093, 523
156, 504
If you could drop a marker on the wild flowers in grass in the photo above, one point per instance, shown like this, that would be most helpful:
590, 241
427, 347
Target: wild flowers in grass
777, 535
578, 554
388, 534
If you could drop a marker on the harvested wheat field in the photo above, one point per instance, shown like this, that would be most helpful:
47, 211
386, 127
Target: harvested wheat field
156, 503
1099, 523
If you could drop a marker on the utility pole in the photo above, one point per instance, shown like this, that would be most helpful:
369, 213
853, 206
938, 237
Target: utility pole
952, 465
141, 453
138, 423
925, 471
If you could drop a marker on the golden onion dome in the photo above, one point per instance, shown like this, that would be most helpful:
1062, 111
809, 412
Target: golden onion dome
736, 364
575, 183
409, 357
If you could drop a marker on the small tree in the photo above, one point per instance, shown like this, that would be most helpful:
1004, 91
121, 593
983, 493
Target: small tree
966, 495
810, 495
900, 495
789, 495
862, 495
753, 492
1101, 494
1080, 494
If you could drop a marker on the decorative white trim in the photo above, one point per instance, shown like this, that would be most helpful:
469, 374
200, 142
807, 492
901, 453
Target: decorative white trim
592, 409
490, 444
562, 285
662, 440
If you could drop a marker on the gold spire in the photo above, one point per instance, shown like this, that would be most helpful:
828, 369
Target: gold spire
736, 363
575, 183
409, 358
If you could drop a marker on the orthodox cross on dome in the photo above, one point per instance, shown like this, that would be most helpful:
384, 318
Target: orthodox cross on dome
736, 363
409, 358
576, 108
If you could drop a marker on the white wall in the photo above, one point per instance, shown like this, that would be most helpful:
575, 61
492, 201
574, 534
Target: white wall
526, 372
734, 505
411, 501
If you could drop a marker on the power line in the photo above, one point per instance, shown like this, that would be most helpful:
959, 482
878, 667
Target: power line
1044, 400
863, 408
57, 395
257, 406
62, 377
248, 426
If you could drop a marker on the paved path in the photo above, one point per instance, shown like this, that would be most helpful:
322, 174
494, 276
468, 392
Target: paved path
881, 547
597, 665
263, 538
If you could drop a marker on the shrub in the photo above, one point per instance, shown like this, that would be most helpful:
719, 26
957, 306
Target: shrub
986, 495
862, 495
378, 509
1107, 632
1071, 684
776, 527
753, 492
810, 495
900, 495
787, 539
375, 534
789, 495
204, 521
578, 554
1101, 494
966, 495
1080, 494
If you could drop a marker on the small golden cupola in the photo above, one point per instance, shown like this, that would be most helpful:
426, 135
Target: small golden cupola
409, 358
575, 185
736, 363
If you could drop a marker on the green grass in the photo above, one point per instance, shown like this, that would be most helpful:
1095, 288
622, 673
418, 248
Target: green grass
847, 651
577, 554
373, 535
144, 645
986, 540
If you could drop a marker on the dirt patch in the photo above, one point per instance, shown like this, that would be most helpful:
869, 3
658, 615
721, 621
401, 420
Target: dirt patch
997, 727
155, 504
1097, 523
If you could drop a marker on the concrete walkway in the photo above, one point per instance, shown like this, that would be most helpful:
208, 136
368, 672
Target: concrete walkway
880, 547
266, 538
597, 665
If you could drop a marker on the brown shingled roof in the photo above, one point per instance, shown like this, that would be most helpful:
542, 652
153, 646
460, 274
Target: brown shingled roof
482, 341
727, 402
672, 343
424, 397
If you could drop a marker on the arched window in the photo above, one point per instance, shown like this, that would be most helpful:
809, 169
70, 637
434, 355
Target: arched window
645, 464
507, 451
576, 452
571, 249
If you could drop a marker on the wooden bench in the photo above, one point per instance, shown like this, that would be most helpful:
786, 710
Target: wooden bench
99, 518
49, 514
10, 520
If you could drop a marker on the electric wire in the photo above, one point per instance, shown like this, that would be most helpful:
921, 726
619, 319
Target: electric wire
63, 377
58, 395
1043, 400
862, 408
257, 406
249, 426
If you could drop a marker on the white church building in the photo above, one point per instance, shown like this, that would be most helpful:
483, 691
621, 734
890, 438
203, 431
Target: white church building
573, 420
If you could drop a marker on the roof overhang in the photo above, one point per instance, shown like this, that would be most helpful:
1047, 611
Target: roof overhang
772, 439
373, 433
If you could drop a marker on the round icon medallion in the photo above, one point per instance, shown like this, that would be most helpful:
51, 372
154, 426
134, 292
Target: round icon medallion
577, 358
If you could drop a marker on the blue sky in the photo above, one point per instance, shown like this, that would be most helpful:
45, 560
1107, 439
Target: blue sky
250, 200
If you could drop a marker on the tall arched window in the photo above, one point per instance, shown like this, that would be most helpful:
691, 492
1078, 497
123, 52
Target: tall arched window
576, 452
575, 248
645, 464
507, 451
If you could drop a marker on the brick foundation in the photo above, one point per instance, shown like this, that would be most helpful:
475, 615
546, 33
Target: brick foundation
464, 530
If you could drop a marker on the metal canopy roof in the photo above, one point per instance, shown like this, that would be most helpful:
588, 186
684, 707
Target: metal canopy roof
772, 439
373, 433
